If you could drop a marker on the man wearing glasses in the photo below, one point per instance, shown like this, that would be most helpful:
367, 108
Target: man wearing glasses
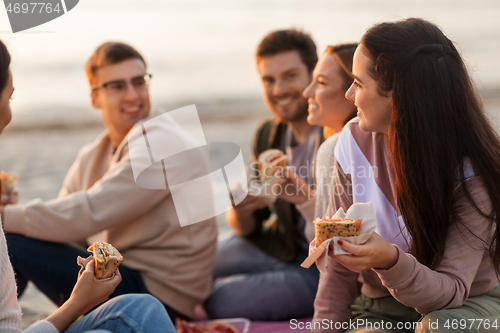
100, 200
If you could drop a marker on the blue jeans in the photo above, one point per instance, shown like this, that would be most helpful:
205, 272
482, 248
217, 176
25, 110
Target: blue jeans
53, 269
251, 284
132, 313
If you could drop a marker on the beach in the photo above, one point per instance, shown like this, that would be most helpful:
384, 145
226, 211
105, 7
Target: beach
199, 52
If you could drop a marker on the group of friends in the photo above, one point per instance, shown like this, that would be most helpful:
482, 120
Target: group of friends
393, 120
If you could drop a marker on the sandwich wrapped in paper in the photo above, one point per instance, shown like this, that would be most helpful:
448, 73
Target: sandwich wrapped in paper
344, 227
107, 259
268, 162
326, 228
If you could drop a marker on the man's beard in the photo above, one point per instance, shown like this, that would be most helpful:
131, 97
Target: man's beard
299, 113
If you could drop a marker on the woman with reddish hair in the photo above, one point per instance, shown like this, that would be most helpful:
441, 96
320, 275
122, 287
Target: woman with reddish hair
327, 107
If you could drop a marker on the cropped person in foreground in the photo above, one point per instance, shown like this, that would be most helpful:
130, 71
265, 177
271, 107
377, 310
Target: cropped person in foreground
129, 313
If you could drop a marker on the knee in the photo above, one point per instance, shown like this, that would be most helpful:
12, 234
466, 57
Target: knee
148, 302
226, 302
216, 306
15, 244
137, 301
14, 240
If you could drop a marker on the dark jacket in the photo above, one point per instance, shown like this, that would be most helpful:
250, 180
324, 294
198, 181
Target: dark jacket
277, 239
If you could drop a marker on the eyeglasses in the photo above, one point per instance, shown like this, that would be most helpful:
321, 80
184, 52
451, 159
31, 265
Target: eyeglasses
139, 83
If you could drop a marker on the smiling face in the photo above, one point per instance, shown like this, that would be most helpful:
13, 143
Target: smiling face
326, 95
284, 78
374, 110
121, 110
5, 96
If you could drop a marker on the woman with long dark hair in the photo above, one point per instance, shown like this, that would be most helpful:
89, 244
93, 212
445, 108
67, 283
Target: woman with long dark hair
132, 313
424, 153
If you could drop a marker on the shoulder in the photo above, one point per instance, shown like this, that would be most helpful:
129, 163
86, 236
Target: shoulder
268, 133
472, 200
346, 143
161, 138
101, 142
326, 150
476, 187
358, 147
268, 127
352, 133
161, 127
330, 142
346, 135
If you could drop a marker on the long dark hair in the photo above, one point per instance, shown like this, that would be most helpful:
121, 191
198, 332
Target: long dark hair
4, 66
437, 121
343, 54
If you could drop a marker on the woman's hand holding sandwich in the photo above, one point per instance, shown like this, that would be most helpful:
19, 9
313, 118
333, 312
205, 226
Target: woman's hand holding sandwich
90, 291
375, 253
87, 293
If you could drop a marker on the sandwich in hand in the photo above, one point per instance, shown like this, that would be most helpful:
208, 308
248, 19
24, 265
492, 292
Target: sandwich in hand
268, 162
107, 259
7, 184
327, 228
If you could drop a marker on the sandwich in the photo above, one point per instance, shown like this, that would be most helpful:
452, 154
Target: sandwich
268, 162
327, 228
107, 259
7, 182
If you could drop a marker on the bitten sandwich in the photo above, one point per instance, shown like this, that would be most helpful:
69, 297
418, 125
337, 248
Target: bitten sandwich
268, 162
107, 259
327, 228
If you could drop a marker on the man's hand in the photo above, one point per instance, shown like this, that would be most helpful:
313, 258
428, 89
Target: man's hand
249, 205
293, 188
375, 253
240, 218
